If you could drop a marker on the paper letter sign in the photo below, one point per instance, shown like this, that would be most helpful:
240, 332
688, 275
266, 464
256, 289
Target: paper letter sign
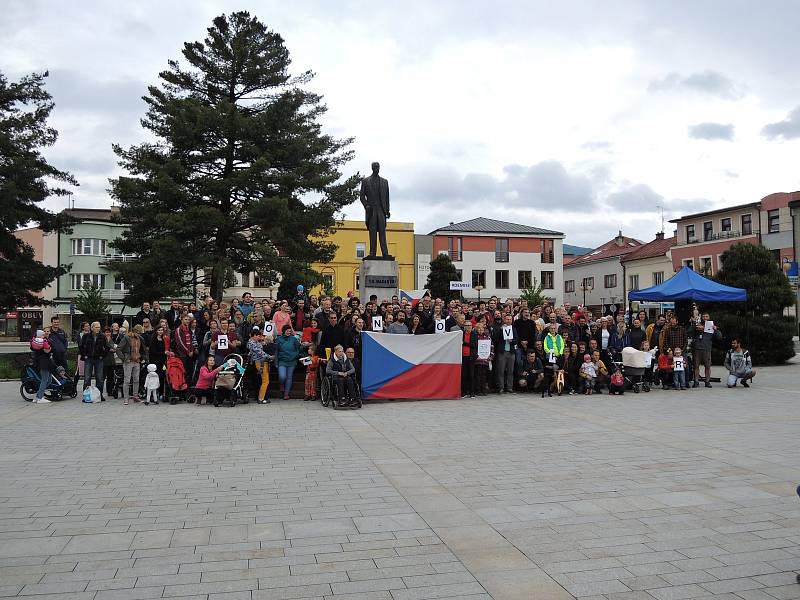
709, 327
508, 332
377, 323
222, 342
439, 326
484, 349
269, 328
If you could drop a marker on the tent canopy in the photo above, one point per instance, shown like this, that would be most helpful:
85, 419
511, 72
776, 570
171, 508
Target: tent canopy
688, 285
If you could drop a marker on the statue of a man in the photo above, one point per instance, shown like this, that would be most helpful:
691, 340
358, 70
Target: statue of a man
375, 198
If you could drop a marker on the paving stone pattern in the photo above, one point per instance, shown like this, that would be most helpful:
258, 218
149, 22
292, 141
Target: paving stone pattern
665, 496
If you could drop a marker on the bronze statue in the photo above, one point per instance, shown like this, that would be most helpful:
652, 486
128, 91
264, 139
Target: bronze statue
375, 198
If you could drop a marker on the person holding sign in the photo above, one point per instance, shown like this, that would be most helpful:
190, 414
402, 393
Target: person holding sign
481, 348
678, 369
705, 332
553, 343
505, 349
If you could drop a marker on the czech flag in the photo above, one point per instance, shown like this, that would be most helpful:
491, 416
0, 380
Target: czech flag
411, 366
414, 296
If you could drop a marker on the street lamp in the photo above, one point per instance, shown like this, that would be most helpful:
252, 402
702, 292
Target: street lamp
585, 288
479, 288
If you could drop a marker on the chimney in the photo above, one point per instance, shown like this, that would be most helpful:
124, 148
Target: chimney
660, 235
620, 240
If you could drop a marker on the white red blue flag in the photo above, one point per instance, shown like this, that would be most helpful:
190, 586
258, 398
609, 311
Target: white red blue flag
411, 366
414, 296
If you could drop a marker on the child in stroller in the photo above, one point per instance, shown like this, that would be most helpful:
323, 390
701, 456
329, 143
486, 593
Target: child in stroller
229, 380
634, 366
176, 379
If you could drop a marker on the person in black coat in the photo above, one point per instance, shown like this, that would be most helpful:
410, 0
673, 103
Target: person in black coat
93, 349
58, 343
333, 335
505, 354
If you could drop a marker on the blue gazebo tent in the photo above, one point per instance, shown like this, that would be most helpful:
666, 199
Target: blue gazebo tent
688, 285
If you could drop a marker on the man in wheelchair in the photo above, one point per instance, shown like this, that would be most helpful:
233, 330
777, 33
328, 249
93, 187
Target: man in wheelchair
342, 373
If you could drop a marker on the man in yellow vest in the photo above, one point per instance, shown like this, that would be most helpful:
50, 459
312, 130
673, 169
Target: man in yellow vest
553, 343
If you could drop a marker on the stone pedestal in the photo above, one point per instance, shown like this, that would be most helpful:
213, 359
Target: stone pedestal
379, 276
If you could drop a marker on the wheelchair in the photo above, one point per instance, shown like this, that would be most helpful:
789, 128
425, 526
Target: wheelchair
328, 395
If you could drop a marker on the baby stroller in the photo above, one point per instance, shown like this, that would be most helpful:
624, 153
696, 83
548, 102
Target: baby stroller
634, 363
228, 385
176, 380
59, 387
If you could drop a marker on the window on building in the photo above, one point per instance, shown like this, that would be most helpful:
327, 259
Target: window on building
89, 246
548, 280
479, 278
460, 274
569, 286
688, 262
633, 282
119, 284
708, 230
610, 281
501, 279
747, 224
524, 280
356, 279
773, 220
328, 281
501, 250
658, 277
705, 266
454, 248
260, 282
245, 279
547, 251
587, 283
725, 224
689, 233
86, 280
361, 249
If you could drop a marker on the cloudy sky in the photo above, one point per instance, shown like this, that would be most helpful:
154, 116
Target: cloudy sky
583, 117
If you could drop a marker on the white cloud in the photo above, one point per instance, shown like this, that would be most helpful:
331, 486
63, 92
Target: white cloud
448, 95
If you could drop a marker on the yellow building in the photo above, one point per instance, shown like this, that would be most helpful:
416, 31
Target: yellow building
352, 240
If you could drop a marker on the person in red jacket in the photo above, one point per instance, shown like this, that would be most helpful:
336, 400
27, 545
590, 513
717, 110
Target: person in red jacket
665, 368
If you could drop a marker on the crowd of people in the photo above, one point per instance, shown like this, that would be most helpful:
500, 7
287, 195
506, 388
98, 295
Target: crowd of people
508, 347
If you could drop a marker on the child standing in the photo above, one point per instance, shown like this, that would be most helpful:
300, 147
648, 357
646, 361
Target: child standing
151, 385
665, 368
588, 374
648, 368
679, 370
311, 373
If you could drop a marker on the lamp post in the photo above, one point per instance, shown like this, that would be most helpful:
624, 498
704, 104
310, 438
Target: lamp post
479, 288
585, 288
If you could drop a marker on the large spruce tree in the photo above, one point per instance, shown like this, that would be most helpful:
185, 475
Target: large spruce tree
24, 175
240, 175
759, 322
442, 272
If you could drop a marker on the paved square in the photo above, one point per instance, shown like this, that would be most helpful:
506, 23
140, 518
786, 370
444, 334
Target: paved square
667, 495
